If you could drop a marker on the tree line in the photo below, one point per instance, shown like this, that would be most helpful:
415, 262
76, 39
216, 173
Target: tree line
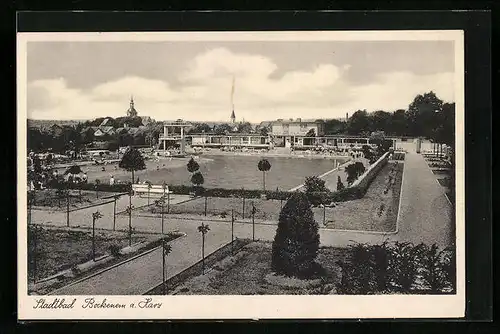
427, 116
75, 138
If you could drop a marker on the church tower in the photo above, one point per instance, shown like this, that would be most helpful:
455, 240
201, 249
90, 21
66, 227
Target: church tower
131, 112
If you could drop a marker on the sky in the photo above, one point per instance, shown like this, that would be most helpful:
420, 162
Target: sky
193, 80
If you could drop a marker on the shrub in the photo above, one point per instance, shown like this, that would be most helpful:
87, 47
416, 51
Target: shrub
404, 263
114, 250
296, 243
340, 185
315, 190
353, 171
197, 179
435, 269
192, 166
398, 267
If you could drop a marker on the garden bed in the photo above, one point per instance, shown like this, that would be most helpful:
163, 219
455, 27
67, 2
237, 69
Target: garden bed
50, 198
252, 265
376, 211
220, 208
60, 249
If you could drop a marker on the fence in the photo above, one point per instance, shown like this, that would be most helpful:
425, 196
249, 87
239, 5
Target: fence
230, 248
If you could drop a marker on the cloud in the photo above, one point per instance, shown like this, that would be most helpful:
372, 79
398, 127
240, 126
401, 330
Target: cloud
202, 92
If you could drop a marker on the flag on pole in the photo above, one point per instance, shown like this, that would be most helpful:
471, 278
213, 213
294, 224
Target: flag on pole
232, 93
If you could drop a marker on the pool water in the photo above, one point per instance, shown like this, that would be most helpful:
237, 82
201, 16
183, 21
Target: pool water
233, 172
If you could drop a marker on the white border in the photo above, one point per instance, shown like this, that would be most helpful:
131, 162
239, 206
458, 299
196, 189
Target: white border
252, 307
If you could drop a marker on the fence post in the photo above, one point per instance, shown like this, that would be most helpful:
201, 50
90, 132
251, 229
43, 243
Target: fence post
93, 238
163, 271
130, 220
168, 202
205, 205
162, 214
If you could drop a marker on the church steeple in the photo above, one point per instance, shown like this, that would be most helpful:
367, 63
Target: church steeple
131, 112
233, 117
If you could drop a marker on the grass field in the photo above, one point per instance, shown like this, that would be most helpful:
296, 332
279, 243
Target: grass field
60, 249
251, 265
376, 211
50, 198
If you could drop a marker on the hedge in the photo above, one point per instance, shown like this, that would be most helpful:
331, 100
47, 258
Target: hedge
347, 194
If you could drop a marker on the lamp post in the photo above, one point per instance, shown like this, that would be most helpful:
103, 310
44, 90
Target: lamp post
129, 209
166, 250
232, 231
116, 197
161, 202
253, 222
95, 216
67, 207
164, 186
203, 229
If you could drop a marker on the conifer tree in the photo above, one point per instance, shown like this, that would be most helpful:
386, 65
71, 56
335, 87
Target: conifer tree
296, 243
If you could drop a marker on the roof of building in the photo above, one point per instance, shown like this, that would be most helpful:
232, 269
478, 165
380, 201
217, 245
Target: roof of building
105, 121
106, 129
296, 121
120, 129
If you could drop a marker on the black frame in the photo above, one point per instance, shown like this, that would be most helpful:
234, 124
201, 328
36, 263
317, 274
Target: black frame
477, 27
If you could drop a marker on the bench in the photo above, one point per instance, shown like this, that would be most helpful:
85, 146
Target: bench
155, 189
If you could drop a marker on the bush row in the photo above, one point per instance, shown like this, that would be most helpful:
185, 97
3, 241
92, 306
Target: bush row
120, 188
398, 268
346, 194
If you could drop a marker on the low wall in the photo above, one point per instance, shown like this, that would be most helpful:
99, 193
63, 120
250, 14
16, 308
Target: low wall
364, 181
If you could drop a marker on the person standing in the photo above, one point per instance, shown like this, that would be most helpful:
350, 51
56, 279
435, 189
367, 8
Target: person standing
111, 180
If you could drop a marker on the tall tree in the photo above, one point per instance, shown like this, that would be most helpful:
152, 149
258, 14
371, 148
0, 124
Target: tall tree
421, 114
359, 123
398, 124
296, 243
200, 128
380, 121
222, 129
334, 126
264, 166
132, 161
245, 127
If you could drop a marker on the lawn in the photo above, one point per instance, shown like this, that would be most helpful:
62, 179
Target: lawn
252, 265
51, 198
220, 208
376, 211
61, 248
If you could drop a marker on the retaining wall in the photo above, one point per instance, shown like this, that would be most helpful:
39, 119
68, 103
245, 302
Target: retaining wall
364, 181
